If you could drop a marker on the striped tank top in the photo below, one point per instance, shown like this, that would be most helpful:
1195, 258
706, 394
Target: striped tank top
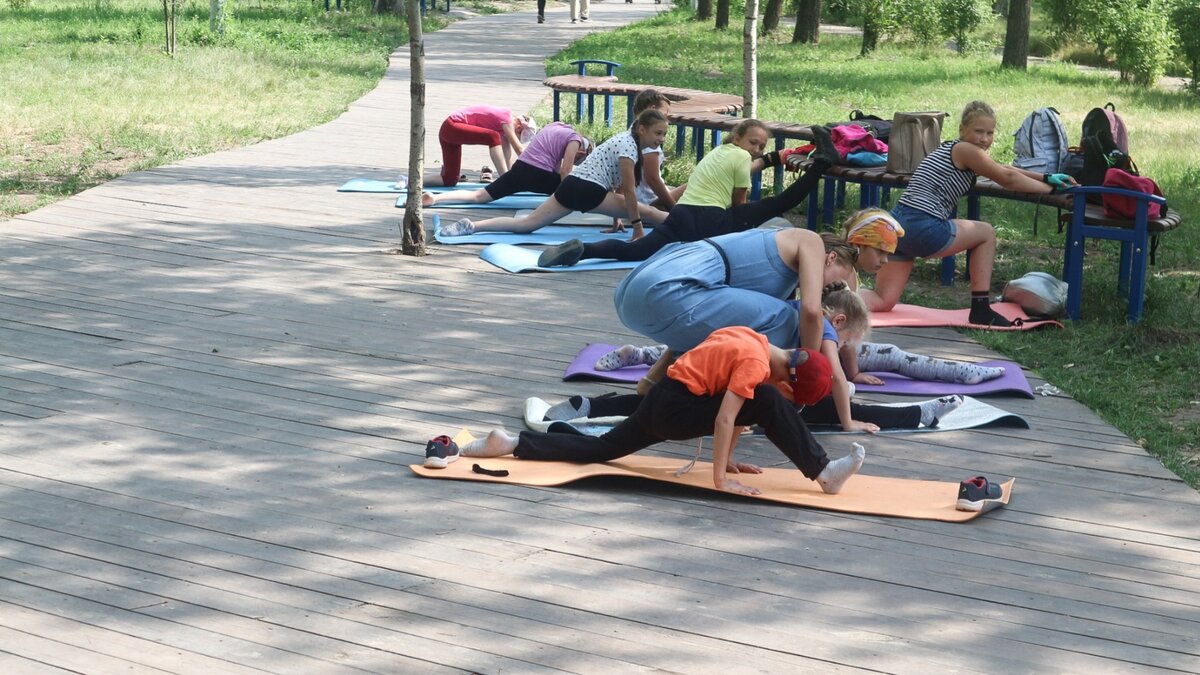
937, 184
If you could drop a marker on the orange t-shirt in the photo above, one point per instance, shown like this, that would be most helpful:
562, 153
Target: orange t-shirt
733, 359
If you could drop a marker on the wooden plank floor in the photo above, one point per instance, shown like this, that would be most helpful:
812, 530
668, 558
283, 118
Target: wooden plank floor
213, 376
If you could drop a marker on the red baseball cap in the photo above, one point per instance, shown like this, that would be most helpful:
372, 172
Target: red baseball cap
810, 376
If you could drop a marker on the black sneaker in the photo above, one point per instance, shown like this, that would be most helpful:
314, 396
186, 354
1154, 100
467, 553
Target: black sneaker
440, 452
825, 149
562, 255
979, 494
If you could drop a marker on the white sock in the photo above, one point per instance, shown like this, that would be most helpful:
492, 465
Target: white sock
837, 472
495, 444
570, 409
935, 409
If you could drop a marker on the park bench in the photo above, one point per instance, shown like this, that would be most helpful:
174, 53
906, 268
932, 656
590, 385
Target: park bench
1082, 220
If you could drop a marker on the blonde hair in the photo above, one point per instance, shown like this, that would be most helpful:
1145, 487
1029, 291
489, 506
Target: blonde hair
844, 252
742, 128
837, 298
976, 109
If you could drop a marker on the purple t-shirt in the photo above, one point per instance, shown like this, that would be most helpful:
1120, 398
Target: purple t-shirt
545, 151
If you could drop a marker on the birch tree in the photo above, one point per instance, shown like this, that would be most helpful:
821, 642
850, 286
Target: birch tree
412, 229
750, 61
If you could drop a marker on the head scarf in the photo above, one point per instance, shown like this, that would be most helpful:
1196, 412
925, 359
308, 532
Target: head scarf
874, 228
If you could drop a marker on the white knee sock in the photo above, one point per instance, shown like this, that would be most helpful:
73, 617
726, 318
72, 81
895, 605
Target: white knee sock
935, 409
495, 444
837, 472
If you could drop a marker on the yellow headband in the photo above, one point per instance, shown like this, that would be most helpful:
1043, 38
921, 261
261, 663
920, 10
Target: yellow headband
875, 228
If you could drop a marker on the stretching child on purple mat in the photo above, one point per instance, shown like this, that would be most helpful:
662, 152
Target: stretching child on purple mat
733, 379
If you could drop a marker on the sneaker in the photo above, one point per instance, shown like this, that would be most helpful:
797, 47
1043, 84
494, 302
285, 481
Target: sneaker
563, 255
583, 18
402, 182
826, 150
459, 228
541, 19
486, 175
978, 494
440, 452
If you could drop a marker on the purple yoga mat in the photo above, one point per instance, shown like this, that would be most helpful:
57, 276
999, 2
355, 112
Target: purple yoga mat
1011, 382
584, 367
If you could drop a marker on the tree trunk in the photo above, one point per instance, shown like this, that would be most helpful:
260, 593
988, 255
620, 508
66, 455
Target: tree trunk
870, 33
412, 231
216, 17
1016, 35
704, 10
722, 14
750, 61
808, 22
772, 12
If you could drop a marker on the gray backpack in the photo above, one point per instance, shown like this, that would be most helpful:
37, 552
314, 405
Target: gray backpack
1041, 142
1038, 293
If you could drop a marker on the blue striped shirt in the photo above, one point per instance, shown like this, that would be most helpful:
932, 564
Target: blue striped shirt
937, 184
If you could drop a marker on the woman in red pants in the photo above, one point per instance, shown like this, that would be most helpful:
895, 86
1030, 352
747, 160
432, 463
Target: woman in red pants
503, 133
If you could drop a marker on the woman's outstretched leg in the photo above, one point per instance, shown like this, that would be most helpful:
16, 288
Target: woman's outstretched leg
546, 213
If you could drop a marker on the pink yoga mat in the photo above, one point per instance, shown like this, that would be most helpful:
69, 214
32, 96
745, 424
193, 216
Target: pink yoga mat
1011, 382
912, 315
584, 367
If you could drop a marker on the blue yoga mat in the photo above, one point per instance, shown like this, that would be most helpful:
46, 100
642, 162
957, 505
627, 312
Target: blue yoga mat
388, 186
517, 259
548, 235
512, 202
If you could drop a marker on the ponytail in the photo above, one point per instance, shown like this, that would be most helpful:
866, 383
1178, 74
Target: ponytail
646, 118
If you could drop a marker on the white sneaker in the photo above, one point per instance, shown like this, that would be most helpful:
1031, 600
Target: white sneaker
458, 228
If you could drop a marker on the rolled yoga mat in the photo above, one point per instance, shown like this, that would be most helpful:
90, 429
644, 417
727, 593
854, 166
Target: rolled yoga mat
518, 259
871, 495
972, 414
912, 316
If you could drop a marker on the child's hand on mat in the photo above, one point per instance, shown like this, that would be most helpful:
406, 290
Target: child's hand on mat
857, 425
738, 467
731, 485
617, 226
864, 378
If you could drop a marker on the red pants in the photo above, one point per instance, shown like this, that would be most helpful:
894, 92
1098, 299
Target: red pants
454, 135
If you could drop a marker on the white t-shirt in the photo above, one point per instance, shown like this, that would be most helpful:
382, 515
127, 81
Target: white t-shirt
645, 194
603, 166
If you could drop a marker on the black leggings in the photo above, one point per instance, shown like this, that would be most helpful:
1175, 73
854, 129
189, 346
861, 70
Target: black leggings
824, 412
541, 7
523, 177
672, 413
693, 223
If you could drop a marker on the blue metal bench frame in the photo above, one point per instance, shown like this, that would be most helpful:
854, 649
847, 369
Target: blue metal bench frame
610, 70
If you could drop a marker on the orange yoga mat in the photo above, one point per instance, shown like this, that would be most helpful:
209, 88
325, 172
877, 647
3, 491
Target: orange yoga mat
872, 495
912, 315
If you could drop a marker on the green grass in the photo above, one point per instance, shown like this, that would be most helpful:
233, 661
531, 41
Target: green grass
89, 93
1139, 378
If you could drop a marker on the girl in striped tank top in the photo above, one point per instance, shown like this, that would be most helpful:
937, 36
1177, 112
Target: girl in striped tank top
927, 204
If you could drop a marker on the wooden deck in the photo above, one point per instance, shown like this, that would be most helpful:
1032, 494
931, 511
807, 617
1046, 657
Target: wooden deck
215, 375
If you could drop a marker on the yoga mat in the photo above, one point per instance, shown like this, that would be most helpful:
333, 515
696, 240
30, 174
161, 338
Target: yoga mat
548, 235
577, 218
871, 495
584, 366
517, 259
514, 202
972, 414
1011, 382
911, 315
389, 186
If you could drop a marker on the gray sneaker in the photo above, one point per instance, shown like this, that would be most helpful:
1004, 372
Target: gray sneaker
458, 228
562, 255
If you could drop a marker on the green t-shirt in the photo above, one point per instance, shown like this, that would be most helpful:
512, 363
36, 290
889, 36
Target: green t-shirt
716, 177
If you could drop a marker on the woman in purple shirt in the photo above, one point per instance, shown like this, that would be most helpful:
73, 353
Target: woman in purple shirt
547, 159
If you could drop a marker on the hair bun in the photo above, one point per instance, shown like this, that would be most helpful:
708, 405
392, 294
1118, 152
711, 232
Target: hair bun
834, 287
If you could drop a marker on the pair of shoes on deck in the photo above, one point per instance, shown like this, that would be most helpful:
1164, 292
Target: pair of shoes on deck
486, 175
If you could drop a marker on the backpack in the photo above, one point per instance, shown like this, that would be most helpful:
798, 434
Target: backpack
1041, 142
1102, 150
913, 136
1038, 293
1116, 206
877, 126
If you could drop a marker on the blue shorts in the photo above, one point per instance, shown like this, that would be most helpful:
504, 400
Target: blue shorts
925, 236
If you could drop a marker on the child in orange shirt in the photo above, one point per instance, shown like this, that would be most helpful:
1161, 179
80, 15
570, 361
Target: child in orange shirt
734, 378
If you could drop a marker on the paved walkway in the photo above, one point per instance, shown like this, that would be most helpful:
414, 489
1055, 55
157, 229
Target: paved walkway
215, 376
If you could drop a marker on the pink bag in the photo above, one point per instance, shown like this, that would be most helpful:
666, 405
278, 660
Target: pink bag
850, 137
1117, 206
